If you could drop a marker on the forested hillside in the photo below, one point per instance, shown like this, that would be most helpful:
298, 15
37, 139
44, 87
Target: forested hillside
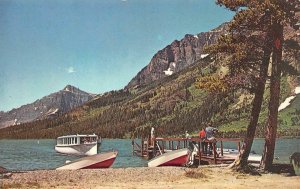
172, 105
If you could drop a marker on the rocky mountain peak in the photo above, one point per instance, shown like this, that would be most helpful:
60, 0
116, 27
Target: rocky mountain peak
176, 56
71, 88
49, 106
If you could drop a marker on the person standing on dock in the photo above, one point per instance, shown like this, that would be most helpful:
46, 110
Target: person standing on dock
210, 131
187, 135
202, 135
152, 136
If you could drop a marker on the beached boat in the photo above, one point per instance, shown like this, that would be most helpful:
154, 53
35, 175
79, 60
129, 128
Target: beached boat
295, 161
233, 153
77, 144
228, 151
102, 160
174, 158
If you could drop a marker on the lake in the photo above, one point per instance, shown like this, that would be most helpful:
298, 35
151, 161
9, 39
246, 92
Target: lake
40, 154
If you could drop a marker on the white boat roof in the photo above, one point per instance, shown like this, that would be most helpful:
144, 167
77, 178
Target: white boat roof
70, 136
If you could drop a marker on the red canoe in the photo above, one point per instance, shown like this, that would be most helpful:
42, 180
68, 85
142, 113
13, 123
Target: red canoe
102, 160
173, 158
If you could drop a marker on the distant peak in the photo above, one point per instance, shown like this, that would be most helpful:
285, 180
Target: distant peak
70, 88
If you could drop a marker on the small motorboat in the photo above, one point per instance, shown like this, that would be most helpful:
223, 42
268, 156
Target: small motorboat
77, 144
228, 151
174, 158
102, 160
233, 153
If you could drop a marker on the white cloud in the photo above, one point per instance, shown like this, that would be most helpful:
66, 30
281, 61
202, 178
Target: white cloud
124, 0
71, 69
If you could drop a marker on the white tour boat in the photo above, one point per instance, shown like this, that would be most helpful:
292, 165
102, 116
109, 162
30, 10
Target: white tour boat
77, 144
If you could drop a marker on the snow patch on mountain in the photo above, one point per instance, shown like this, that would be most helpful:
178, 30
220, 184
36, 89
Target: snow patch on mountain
204, 55
297, 90
288, 100
168, 72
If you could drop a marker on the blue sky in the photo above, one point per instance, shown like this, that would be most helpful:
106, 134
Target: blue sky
96, 45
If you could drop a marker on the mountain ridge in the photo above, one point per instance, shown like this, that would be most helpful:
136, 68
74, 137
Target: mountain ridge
48, 106
172, 104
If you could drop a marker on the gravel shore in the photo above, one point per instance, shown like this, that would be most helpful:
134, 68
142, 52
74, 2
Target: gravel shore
144, 177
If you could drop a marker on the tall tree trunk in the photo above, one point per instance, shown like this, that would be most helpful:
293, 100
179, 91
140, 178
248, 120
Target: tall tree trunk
271, 129
242, 161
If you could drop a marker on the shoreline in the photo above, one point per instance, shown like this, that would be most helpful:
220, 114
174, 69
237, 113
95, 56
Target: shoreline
145, 177
180, 136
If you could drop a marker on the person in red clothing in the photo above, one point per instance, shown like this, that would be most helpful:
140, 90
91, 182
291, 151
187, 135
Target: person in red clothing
202, 135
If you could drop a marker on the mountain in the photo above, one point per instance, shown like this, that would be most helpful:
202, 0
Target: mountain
176, 56
171, 104
48, 107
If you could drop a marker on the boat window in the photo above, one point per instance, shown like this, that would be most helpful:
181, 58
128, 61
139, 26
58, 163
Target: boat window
76, 140
81, 140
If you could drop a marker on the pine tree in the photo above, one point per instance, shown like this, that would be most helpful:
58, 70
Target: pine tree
247, 46
253, 20
283, 14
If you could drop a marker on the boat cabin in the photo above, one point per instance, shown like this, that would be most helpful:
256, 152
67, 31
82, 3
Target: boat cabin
76, 140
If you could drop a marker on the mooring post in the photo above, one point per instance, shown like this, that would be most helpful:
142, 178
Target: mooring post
239, 147
221, 148
147, 147
132, 144
142, 147
154, 147
215, 152
199, 153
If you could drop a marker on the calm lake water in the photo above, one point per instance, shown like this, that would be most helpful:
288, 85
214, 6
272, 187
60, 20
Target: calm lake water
40, 154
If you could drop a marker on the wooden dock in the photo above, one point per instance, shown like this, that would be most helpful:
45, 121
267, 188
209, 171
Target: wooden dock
146, 148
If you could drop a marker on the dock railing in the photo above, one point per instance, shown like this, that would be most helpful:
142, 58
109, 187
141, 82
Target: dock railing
162, 145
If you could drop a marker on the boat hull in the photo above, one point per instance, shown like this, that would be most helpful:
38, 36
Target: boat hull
82, 149
103, 160
233, 154
173, 158
295, 160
